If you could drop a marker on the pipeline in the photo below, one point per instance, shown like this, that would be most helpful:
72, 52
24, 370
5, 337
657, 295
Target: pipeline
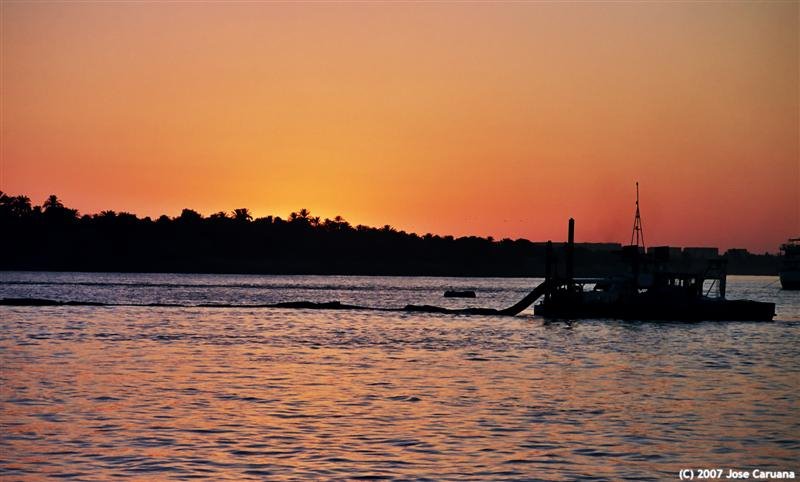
306, 305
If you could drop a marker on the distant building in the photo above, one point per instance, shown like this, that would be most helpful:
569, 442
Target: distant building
600, 247
664, 252
737, 253
700, 253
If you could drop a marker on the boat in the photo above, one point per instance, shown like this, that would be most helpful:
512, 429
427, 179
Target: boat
790, 268
652, 290
459, 294
667, 296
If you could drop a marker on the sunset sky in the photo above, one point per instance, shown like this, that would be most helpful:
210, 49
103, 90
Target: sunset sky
497, 119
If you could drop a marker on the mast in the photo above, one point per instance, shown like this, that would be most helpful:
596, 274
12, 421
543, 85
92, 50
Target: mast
638, 231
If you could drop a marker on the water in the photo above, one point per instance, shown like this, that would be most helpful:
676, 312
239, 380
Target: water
238, 393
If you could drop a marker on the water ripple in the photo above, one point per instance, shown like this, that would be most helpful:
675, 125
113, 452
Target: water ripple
144, 393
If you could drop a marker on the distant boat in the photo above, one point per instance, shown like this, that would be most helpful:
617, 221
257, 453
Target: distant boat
790, 269
459, 294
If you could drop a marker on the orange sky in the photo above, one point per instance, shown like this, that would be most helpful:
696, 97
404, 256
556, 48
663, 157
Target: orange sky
452, 118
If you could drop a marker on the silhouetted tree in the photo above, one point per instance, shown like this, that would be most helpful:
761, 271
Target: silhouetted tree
52, 203
190, 216
341, 221
242, 215
15, 206
55, 211
51, 236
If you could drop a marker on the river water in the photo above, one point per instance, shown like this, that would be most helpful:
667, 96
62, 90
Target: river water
243, 393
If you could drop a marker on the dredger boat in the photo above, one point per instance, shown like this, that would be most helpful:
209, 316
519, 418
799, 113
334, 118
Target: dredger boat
651, 291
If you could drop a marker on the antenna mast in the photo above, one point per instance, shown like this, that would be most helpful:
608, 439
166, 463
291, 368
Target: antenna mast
638, 232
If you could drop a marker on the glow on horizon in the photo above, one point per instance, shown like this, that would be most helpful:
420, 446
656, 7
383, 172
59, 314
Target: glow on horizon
462, 119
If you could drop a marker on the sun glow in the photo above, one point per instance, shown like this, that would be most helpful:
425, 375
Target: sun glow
499, 120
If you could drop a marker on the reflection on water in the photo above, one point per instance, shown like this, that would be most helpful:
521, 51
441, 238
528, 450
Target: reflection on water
98, 393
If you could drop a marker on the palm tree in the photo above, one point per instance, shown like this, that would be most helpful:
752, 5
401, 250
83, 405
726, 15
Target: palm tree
300, 216
17, 206
242, 214
341, 223
52, 202
55, 211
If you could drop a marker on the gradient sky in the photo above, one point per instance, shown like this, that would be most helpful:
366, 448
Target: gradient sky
452, 118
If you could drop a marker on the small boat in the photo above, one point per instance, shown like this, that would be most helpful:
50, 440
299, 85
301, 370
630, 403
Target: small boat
459, 294
790, 268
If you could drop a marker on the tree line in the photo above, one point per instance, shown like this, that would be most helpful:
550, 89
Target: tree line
53, 236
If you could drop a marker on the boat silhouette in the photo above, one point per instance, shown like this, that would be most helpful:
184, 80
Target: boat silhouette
652, 290
790, 268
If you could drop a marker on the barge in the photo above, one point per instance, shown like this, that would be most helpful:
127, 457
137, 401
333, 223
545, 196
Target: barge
651, 290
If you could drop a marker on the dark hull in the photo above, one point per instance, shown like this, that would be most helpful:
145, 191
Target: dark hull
711, 310
790, 280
